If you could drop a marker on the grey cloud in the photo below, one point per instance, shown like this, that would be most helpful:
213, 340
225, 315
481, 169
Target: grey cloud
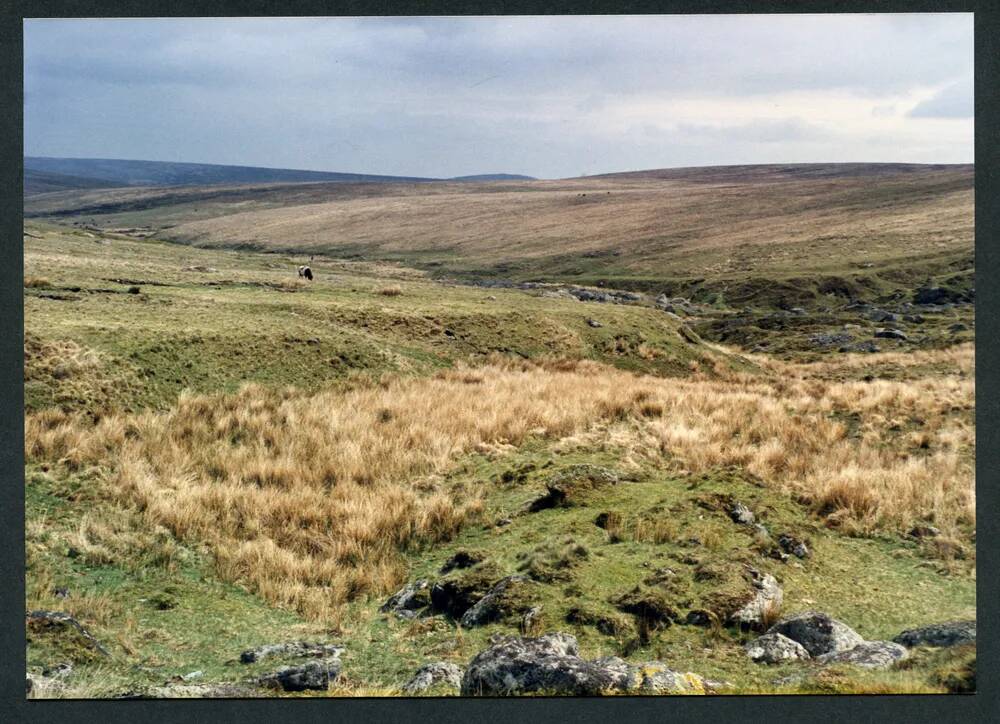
447, 96
954, 101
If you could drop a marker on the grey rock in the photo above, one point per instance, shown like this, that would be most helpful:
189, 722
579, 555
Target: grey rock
495, 604
818, 633
889, 333
313, 675
406, 601
868, 655
193, 691
880, 315
530, 619
925, 531
551, 664
593, 323
430, 674
913, 318
293, 649
793, 545
741, 514
775, 648
58, 671
830, 339
767, 597
949, 633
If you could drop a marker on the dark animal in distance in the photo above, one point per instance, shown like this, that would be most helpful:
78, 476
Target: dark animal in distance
306, 272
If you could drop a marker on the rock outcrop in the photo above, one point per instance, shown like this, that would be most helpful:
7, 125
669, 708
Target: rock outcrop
408, 600
817, 633
868, 655
775, 648
950, 633
438, 672
294, 649
551, 664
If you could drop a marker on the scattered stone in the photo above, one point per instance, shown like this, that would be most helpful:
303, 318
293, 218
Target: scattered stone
463, 559
503, 521
430, 674
889, 333
830, 339
880, 315
59, 621
408, 600
775, 648
913, 318
551, 664
793, 545
868, 655
510, 595
193, 691
818, 633
741, 514
314, 676
593, 323
866, 346
761, 530
950, 633
924, 531
294, 649
58, 671
938, 295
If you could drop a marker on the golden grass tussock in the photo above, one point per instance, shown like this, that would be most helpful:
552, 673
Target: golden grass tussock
393, 290
308, 499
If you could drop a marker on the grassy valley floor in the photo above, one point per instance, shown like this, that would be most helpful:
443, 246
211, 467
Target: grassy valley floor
219, 456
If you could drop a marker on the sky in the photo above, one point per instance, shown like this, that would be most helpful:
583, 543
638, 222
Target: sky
551, 97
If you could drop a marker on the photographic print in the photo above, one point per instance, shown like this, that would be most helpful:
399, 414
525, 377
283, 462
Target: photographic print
499, 356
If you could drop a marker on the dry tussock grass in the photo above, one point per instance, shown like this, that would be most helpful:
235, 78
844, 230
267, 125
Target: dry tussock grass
308, 499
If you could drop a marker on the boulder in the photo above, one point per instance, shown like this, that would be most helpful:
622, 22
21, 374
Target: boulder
889, 333
775, 648
406, 601
434, 673
818, 633
292, 650
510, 595
950, 633
551, 664
868, 655
314, 676
766, 597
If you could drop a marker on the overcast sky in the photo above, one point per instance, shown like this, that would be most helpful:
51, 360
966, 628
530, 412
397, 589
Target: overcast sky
549, 97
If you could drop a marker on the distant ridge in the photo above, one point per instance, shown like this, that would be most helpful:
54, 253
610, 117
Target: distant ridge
780, 171
494, 177
43, 182
120, 172
42, 174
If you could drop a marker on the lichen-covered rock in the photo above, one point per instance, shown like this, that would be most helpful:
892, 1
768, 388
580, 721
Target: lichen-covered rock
741, 514
767, 596
408, 600
511, 595
551, 664
950, 633
818, 633
868, 654
314, 675
434, 673
293, 649
775, 648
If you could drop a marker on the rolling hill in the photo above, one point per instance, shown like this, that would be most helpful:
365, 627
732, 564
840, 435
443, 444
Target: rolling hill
737, 231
